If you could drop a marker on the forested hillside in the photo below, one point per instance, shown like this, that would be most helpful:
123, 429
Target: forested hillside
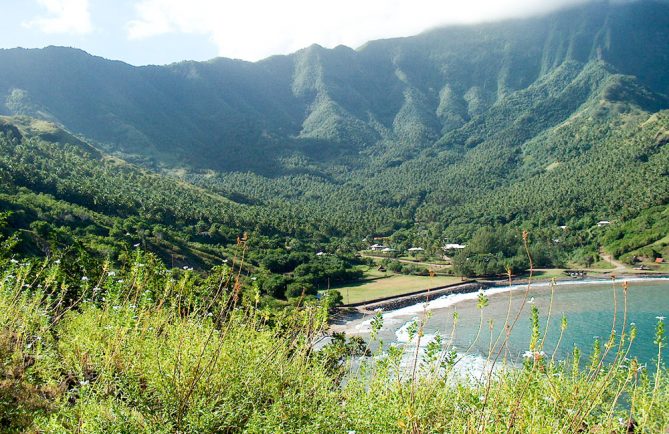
173, 239
536, 123
63, 199
388, 99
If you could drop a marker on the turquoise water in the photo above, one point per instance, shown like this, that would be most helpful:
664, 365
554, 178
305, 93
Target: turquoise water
589, 309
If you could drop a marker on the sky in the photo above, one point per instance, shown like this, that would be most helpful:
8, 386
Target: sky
142, 32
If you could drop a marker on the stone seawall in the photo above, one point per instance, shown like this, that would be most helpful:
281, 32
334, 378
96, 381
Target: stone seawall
392, 303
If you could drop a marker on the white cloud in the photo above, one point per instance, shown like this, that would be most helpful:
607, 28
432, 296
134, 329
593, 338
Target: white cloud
254, 29
65, 16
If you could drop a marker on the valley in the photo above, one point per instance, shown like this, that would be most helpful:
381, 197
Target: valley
176, 241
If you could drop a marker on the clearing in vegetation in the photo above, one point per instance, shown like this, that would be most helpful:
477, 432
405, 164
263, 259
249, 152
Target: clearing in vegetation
372, 288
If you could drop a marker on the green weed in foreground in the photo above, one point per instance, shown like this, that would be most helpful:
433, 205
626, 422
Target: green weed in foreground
152, 350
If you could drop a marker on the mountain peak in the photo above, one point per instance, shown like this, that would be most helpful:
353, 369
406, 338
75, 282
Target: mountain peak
392, 97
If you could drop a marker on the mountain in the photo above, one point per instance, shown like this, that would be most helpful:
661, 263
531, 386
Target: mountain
401, 93
543, 121
158, 224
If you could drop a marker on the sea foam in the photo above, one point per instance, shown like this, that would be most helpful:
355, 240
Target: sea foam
453, 299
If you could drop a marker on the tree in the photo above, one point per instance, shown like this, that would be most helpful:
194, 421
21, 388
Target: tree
332, 299
299, 288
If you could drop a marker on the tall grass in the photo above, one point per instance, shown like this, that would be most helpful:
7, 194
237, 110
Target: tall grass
146, 349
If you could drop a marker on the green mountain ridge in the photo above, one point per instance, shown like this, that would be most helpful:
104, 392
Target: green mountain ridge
536, 122
406, 92
174, 239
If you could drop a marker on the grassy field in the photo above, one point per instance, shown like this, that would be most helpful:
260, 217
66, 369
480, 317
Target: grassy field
376, 285
602, 265
549, 273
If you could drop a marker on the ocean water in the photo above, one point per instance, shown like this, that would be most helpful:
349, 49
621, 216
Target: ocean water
592, 310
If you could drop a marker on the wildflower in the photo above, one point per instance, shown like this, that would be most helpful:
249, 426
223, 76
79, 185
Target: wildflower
225, 261
97, 289
13, 261
111, 273
136, 245
120, 281
84, 279
254, 278
534, 355
84, 382
57, 261
185, 267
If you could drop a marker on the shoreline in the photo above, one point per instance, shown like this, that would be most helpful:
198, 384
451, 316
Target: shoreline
350, 313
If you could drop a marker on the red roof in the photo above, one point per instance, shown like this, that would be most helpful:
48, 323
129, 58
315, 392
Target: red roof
659, 260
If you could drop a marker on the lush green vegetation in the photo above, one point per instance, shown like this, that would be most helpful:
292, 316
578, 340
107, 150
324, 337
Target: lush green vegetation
645, 236
528, 124
147, 349
69, 201
498, 252
165, 232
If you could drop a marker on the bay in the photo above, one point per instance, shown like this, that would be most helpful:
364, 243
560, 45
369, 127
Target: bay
592, 310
